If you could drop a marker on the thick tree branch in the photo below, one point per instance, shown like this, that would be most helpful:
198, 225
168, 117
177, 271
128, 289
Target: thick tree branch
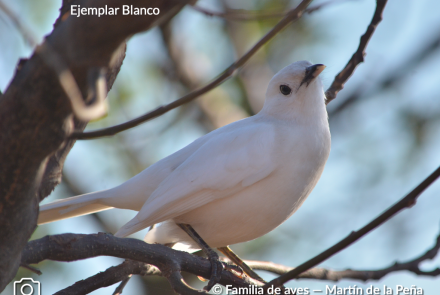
52, 175
358, 56
71, 247
408, 201
36, 115
291, 16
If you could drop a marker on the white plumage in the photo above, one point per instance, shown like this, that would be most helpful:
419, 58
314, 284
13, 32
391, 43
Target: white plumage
234, 184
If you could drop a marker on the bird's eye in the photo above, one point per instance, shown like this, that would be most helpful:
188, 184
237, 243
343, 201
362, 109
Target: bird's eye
285, 89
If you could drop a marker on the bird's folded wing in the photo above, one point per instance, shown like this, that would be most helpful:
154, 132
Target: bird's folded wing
224, 165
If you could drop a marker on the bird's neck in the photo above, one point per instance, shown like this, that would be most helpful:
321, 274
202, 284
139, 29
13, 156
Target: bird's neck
305, 112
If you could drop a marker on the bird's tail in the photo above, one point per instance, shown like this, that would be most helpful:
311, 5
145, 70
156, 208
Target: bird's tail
72, 207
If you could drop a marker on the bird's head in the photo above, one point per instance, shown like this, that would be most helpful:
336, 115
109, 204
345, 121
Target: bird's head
296, 88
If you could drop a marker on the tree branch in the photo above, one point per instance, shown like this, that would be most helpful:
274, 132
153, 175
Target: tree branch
358, 56
291, 16
71, 247
361, 275
408, 201
52, 175
394, 77
120, 273
36, 115
107, 278
123, 283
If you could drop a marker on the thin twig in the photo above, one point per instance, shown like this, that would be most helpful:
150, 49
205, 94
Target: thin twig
31, 268
394, 77
361, 275
247, 15
24, 31
107, 278
120, 288
291, 16
407, 202
358, 56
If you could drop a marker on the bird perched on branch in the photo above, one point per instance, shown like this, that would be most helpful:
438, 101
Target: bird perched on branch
232, 185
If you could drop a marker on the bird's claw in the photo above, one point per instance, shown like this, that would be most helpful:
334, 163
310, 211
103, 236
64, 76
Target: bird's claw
216, 272
235, 270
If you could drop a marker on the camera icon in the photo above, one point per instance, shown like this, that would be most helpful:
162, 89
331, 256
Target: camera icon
26, 286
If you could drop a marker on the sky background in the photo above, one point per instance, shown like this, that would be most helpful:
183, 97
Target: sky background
384, 142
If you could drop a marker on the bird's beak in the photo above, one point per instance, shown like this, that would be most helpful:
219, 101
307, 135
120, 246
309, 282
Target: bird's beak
316, 69
311, 73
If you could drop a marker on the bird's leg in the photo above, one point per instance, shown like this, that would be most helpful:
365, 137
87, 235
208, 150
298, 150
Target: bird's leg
237, 260
216, 265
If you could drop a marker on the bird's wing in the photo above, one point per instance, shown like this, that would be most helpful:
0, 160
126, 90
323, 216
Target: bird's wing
225, 164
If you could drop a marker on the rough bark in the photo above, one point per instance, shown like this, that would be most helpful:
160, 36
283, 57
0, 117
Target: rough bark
36, 116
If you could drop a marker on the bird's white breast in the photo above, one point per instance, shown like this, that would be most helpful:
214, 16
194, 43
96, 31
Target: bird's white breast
300, 153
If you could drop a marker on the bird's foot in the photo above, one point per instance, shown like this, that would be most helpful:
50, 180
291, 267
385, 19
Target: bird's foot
216, 270
240, 263
235, 270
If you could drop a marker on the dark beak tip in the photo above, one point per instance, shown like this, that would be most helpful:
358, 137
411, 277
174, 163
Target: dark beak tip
316, 69
315, 66
312, 72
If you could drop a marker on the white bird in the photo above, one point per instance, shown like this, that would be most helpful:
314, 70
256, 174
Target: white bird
234, 184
